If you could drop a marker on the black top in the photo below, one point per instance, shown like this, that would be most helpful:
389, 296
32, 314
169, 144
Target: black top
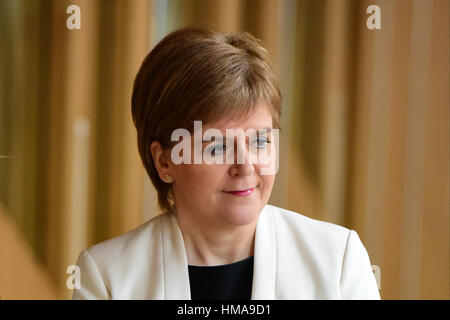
225, 282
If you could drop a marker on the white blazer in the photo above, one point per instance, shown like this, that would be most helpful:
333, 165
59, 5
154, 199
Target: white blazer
295, 257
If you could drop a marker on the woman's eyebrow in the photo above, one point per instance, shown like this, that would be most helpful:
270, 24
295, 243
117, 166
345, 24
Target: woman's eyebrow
224, 138
213, 139
267, 129
260, 130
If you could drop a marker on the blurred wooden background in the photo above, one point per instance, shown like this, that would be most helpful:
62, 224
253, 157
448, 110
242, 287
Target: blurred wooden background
365, 140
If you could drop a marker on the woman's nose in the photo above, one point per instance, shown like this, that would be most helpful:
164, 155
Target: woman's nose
242, 161
244, 169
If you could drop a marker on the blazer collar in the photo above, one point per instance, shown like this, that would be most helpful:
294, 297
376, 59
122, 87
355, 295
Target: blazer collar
175, 266
264, 269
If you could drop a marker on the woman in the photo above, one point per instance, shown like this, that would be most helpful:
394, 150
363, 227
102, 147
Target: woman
218, 238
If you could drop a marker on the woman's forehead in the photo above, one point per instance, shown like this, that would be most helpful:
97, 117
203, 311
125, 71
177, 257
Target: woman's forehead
261, 118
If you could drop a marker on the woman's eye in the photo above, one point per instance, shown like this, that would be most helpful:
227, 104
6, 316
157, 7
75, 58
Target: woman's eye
261, 143
217, 149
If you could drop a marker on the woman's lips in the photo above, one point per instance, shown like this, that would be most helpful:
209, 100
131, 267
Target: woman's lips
242, 193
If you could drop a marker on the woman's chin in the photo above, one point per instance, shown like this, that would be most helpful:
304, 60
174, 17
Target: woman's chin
241, 215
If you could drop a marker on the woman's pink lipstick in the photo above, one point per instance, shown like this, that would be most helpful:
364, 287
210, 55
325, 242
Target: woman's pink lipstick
242, 193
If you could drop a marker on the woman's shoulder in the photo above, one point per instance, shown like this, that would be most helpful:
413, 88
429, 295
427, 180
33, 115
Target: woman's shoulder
128, 242
105, 265
288, 221
332, 258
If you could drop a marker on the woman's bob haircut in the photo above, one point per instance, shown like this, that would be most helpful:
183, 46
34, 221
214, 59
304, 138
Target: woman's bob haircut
198, 74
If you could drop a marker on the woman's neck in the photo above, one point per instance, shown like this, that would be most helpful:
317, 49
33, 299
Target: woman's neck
207, 244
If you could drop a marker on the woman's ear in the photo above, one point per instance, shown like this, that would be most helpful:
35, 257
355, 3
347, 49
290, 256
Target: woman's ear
160, 159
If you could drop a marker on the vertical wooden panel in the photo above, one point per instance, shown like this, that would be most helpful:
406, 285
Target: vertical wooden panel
161, 22
378, 135
132, 44
434, 278
27, 107
101, 210
397, 128
219, 15
359, 127
304, 170
55, 163
228, 15
262, 19
335, 107
21, 183
80, 103
371, 131
289, 40
139, 46
6, 109
12, 101
116, 32
411, 240
149, 195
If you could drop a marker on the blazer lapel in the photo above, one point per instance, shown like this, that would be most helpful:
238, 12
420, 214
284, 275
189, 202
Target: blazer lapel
176, 272
264, 268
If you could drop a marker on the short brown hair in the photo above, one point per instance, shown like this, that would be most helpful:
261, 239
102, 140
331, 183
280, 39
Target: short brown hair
198, 74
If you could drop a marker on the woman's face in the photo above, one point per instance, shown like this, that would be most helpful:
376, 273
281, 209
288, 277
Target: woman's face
204, 191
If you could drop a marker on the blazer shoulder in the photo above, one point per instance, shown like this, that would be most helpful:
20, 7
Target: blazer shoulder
111, 268
299, 220
330, 254
312, 230
127, 243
